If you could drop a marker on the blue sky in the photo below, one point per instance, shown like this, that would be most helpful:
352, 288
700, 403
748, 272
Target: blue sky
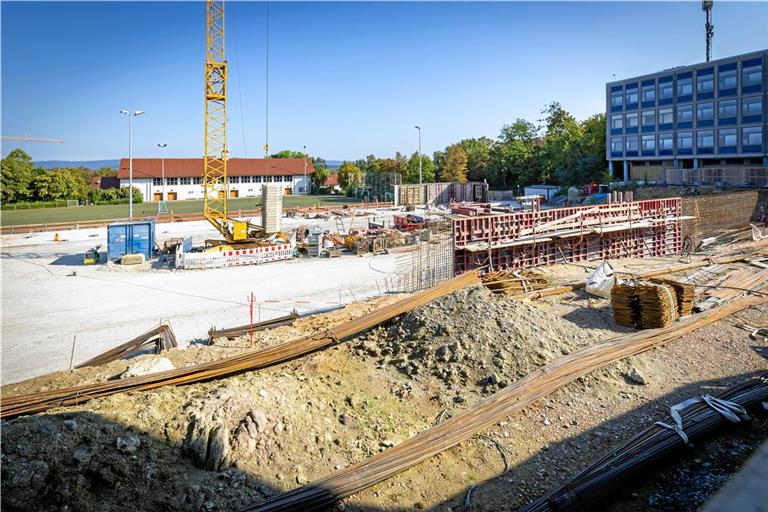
346, 79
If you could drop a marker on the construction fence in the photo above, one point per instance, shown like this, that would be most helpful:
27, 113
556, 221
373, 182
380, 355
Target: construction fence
718, 177
433, 194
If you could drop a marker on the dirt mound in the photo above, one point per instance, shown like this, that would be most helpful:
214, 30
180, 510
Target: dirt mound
473, 338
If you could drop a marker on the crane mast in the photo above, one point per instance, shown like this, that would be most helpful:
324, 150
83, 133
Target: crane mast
215, 145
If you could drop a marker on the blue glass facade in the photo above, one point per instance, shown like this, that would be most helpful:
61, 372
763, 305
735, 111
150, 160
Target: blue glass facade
712, 110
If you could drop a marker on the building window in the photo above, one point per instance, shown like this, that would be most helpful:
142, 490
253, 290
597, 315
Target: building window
616, 146
171, 181
666, 119
705, 141
632, 145
752, 138
727, 111
705, 114
705, 83
666, 143
632, 122
685, 117
632, 96
268, 179
727, 138
288, 178
245, 179
649, 120
752, 75
197, 180
666, 90
684, 86
648, 144
617, 99
158, 182
617, 124
752, 109
727, 80
258, 179
648, 93
185, 181
685, 143
234, 179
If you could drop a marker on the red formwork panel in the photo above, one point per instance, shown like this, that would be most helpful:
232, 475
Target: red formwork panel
640, 229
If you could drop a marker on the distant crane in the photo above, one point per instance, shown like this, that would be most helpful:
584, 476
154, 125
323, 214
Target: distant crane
27, 138
706, 6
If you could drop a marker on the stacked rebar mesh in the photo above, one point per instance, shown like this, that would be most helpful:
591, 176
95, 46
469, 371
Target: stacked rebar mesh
644, 305
698, 417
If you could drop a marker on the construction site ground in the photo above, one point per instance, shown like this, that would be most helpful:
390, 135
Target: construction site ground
104, 305
231, 442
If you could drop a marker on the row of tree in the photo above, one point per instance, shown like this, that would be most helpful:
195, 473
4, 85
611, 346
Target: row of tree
556, 149
21, 181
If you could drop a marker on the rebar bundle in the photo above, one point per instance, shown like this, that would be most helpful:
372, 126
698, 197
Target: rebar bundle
36, 402
644, 304
514, 282
322, 493
688, 421
161, 337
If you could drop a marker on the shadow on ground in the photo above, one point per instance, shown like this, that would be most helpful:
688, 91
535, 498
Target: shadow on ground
81, 461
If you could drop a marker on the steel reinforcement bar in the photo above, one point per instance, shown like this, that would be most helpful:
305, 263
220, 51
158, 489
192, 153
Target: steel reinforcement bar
322, 493
38, 402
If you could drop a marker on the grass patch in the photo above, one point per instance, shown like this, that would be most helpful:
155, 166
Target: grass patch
120, 211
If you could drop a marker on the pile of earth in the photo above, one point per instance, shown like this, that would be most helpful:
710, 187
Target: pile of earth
474, 338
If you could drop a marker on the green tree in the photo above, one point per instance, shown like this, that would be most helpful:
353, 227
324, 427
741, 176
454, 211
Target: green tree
438, 158
478, 157
561, 149
514, 156
15, 177
349, 175
412, 169
319, 176
455, 168
287, 153
60, 184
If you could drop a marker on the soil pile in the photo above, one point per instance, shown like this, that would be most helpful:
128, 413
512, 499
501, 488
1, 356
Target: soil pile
473, 338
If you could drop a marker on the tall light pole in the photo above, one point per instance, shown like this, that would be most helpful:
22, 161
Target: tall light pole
419, 128
130, 116
162, 207
306, 184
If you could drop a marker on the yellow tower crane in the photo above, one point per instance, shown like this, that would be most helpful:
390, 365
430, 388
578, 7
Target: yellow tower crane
215, 159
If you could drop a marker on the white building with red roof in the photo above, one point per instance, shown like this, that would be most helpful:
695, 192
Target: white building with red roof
183, 176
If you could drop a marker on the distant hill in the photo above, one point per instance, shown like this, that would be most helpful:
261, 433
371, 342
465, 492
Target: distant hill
334, 164
88, 164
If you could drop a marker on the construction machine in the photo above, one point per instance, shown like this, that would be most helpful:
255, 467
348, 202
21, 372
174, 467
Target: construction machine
236, 233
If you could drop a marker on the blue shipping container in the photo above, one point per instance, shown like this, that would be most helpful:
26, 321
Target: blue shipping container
130, 238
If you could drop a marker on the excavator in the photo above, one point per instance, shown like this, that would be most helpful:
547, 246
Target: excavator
236, 233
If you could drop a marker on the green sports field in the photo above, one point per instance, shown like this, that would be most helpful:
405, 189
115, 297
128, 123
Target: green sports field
120, 211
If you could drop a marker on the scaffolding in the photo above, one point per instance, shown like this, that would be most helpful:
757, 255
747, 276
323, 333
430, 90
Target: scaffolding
633, 229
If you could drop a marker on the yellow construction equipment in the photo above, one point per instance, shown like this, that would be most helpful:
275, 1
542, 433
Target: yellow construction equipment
215, 160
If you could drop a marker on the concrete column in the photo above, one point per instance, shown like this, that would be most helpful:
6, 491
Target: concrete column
676, 163
610, 168
765, 161
626, 170
695, 163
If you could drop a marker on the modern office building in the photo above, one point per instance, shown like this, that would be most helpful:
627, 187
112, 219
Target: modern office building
711, 114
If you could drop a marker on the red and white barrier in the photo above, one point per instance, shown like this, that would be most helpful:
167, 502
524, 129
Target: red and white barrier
235, 257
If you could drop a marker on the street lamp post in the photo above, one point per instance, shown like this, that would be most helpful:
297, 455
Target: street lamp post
162, 207
306, 184
419, 128
130, 115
